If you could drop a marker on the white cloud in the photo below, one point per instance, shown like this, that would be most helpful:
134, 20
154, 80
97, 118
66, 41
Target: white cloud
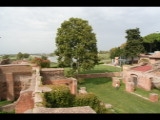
33, 29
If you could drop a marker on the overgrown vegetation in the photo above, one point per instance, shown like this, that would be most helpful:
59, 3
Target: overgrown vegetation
60, 96
43, 62
91, 100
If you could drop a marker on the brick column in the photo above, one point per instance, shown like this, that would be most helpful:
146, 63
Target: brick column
148, 84
115, 81
10, 87
130, 87
74, 86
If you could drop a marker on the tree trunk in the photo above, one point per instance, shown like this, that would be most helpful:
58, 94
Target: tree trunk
132, 58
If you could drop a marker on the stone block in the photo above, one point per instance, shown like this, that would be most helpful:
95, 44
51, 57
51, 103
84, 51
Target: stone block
153, 97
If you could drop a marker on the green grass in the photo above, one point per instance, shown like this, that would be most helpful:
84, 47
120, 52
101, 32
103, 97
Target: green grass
105, 57
53, 65
122, 101
146, 93
101, 69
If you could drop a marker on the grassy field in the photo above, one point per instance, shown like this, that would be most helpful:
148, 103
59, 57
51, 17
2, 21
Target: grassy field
101, 69
104, 58
122, 101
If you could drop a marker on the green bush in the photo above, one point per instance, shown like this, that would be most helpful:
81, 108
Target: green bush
41, 62
70, 73
80, 81
60, 96
90, 100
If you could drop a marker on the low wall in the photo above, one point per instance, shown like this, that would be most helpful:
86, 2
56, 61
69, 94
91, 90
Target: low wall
99, 75
10, 68
52, 73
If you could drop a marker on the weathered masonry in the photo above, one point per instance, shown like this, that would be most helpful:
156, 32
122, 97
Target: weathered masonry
13, 79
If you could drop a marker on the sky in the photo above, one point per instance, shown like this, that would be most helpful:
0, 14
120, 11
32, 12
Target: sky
33, 29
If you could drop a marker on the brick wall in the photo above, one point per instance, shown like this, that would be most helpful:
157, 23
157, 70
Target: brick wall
24, 102
70, 82
21, 82
10, 86
15, 68
10, 83
52, 73
99, 75
3, 87
143, 79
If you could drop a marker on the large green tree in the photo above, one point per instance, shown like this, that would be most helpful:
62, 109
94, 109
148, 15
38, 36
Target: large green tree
76, 44
151, 42
134, 45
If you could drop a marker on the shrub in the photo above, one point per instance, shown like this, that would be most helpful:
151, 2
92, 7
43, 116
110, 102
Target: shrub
70, 73
81, 81
89, 100
60, 96
41, 62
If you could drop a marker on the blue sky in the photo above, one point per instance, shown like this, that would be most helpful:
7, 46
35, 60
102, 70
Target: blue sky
33, 29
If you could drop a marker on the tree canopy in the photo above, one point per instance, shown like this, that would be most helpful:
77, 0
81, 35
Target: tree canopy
151, 42
134, 45
76, 44
21, 55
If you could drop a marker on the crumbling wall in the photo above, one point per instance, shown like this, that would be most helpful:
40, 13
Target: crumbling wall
10, 83
24, 102
49, 74
21, 82
143, 79
3, 87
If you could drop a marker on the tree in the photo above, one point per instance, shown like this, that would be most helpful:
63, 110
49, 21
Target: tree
19, 56
5, 57
117, 51
134, 44
44, 63
5, 60
151, 42
44, 57
76, 43
26, 55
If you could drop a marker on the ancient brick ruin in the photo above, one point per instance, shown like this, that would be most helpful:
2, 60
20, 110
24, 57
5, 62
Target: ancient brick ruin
23, 84
13, 79
145, 75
